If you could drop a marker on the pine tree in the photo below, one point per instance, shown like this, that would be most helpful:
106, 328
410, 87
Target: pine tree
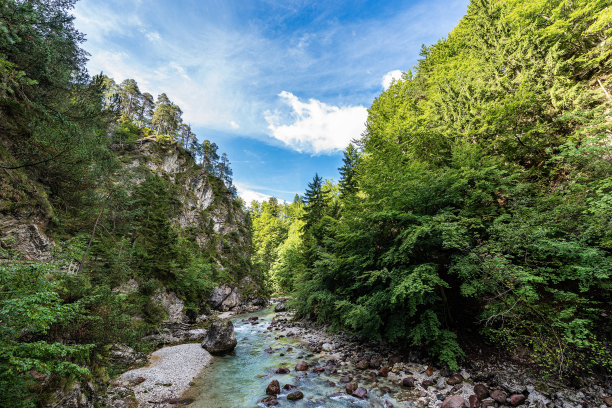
348, 182
316, 202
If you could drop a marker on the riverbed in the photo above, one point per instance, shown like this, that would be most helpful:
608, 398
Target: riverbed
240, 380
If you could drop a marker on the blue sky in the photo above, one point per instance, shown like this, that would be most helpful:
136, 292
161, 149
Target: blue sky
281, 86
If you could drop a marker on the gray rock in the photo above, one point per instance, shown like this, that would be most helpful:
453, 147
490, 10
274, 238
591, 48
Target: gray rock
225, 298
280, 307
220, 338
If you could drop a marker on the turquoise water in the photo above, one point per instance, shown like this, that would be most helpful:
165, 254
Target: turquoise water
240, 380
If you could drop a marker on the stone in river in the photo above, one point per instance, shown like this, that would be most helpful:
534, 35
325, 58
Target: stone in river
429, 371
481, 391
301, 366
220, 338
473, 401
318, 370
362, 365
454, 379
517, 399
288, 387
282, 370
295, 395
383, 372
427, 383
270, 401
346, 379
360, 393
351, 387
273, 388
408, 382
455, 401
499, 396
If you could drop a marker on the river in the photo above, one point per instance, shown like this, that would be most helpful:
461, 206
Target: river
240, 380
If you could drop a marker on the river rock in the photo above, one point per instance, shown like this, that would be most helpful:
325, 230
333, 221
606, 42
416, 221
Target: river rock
280, 307
517, 399
408, 382
454, 401
270, 401
427, 383
288, 387
273, 388
282, 370
473, 401
362, 364
301, 366
327, 347
454, 379
351, 387
360, 393
295, 395
481, 391
429, 371
346, 379
499, 396
220, 337
383, 372
608, 401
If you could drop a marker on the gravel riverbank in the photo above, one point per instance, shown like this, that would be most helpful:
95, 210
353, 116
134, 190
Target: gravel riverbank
160, 384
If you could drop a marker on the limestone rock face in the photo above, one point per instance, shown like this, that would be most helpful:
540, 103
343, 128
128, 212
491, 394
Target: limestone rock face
220, 338
225, 298
172, 304
26, 236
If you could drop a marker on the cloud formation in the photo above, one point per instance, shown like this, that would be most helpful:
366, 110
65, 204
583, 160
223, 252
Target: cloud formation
317, 127
390, 77
249, 195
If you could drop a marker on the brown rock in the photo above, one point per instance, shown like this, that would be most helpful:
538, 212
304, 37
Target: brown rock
295, 395
362, 364
427, 383
270, 401
346, 379
517, 399
608, 401
408, 382
351, 387
301, 366
139, 380
394, 360
288, 387
318, 370
499, 396
473, 401
273, 388
487, 402
454, 401
375, 362
360, 393
429, 371
282, 370
481, 391
454, 379
383, 372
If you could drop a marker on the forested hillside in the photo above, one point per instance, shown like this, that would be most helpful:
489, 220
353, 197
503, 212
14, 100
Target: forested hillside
114, 219
477, 206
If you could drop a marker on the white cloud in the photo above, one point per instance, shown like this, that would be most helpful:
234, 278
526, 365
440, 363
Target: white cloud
153, 35
234, 125
389, 77
249, 195
317, 127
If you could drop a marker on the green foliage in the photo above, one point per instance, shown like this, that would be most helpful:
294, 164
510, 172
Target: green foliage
480, 195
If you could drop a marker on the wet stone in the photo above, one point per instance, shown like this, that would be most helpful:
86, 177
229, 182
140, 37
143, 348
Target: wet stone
351, 387
295, 395
360, 393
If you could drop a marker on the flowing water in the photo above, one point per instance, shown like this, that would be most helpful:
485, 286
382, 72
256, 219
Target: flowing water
240, 380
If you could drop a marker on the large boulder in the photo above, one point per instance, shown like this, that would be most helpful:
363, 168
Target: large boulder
220, 338
225, 298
